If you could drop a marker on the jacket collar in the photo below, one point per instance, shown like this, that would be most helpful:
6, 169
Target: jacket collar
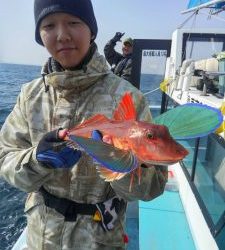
79, 79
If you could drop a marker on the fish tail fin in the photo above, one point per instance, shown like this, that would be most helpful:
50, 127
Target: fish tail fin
126, 109
109, 175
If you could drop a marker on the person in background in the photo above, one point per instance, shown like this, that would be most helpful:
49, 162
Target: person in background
121, 63
69, 206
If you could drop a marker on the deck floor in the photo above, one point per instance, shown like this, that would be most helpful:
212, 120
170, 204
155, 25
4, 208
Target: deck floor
163, 224
132, 225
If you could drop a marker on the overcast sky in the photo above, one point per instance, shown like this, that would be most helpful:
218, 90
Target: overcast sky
141, 19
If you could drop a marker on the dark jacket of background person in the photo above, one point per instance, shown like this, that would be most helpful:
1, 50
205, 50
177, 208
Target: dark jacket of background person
121, 64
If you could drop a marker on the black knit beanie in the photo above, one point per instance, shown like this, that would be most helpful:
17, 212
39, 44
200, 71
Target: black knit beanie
79, 8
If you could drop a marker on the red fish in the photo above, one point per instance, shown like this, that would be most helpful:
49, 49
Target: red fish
133, 142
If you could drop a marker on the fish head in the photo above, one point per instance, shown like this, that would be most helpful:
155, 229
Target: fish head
153, 144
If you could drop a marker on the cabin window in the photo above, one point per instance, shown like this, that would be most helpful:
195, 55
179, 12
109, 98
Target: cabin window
197, 47
153, 65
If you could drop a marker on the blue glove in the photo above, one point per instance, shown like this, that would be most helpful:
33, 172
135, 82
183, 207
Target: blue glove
53, 152
96, 135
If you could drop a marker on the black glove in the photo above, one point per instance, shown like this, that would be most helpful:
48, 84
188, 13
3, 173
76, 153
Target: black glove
54, 152
117, 37
109, 211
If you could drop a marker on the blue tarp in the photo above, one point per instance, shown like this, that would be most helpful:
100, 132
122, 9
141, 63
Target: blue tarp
195, 3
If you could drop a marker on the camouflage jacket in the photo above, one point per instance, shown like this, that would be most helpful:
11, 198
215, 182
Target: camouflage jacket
72, 97
121, 65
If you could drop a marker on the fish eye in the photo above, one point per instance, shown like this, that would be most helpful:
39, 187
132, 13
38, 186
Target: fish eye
149, 135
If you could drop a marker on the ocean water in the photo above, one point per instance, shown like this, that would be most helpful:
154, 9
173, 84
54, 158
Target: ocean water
12, 76
12, 219
149, 85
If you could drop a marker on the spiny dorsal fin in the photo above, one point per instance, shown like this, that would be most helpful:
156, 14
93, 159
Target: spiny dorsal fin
126, 109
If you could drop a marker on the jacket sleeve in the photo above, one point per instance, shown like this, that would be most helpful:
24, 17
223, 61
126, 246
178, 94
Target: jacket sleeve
153, 178
18, 164
111, 55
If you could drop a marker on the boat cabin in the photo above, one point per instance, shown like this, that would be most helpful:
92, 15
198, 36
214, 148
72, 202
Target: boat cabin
190, 68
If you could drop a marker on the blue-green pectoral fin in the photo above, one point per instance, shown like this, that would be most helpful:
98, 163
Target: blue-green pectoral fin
190, 120
109, 156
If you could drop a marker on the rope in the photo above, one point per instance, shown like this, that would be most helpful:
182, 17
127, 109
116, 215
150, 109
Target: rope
185, 21
192, 26
151, 91
213, 16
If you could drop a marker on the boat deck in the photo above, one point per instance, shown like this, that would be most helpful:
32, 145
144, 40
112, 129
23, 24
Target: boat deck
162, 225
132, 225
